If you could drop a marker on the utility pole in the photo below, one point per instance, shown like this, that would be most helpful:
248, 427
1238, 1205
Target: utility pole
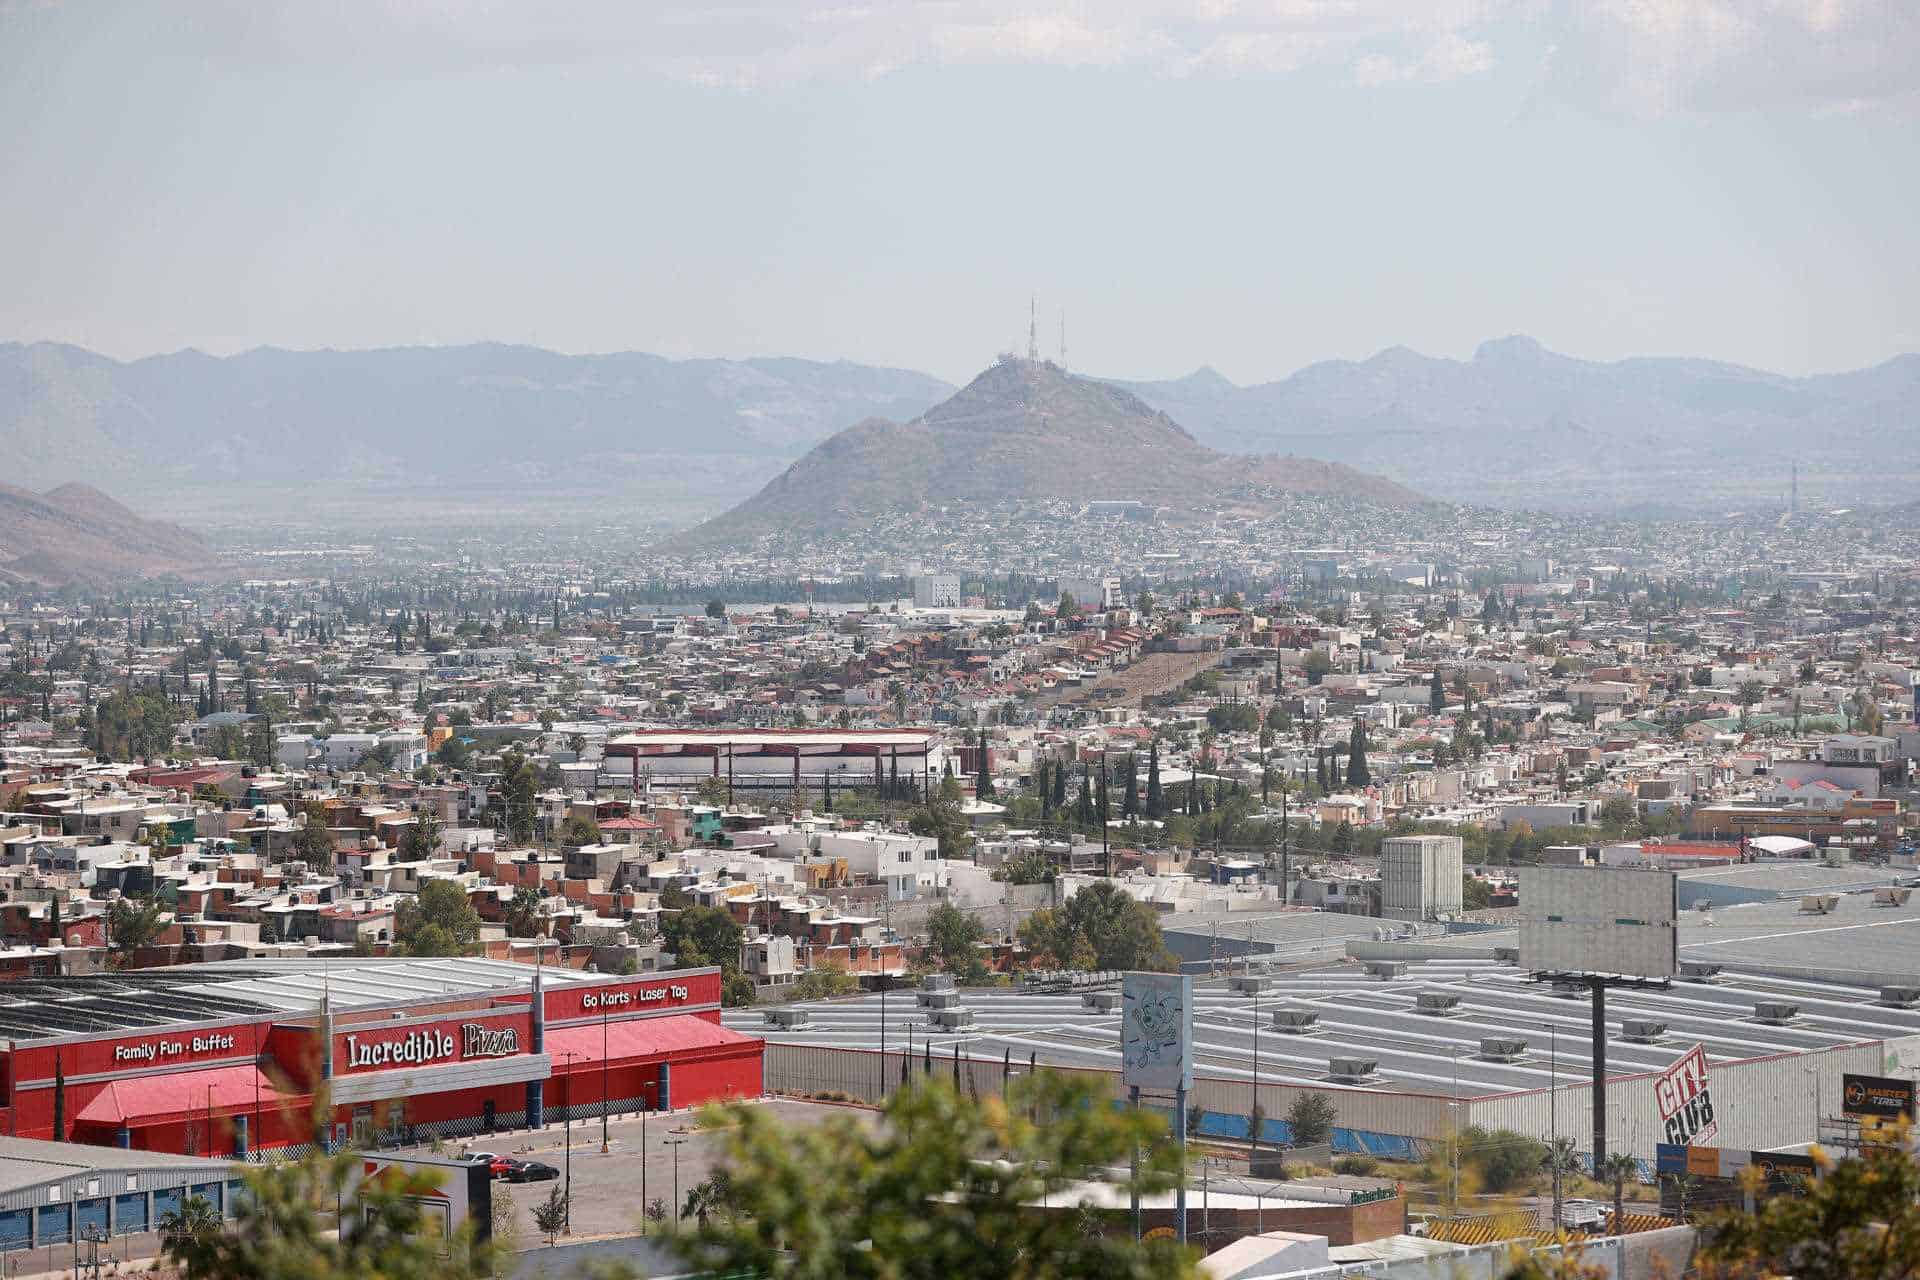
676, 1144
1106, 855
1553, 1119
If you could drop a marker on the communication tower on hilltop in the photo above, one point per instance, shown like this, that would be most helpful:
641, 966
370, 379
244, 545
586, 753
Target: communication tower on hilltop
1033, 328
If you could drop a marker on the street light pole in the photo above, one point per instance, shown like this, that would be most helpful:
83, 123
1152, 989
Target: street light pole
605, 1100
676, 1144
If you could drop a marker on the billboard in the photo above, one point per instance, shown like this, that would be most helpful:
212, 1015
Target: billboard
1686, 1106
1876, 1097
454, 1193
1606, 920
1156, 1031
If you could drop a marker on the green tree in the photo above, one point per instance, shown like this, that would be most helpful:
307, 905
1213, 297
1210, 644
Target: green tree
1311, 1119
716, 609
1357, 772
579, 829
1130, 795
1436, 693
131, 925
1156, 796
954, 934
523, 912
421, 838
1319, 665
983, 784
1858, 1220
550, 1215
437, 921
939, 1192
825, 979
1102, 923
313, 842
702, 936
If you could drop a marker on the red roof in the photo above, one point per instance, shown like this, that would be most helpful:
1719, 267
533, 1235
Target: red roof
640, 1038
183, 1094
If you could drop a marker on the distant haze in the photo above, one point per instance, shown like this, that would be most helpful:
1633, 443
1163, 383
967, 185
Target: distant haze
1253, 185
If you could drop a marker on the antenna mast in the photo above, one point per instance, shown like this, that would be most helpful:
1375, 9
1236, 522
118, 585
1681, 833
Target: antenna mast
1033, 328
1063, 339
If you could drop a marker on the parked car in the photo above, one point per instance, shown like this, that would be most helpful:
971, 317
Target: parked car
529, 1171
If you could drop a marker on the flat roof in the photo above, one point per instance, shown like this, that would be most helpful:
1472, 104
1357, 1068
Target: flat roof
1362, 1016
140, 999
33, 1162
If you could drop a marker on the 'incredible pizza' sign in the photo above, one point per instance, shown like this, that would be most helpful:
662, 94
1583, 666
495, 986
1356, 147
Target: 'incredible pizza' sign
1686, 1107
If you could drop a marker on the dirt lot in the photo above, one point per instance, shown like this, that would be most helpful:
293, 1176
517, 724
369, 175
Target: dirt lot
1152, 675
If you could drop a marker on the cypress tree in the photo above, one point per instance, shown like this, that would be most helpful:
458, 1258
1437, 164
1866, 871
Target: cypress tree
1130, 798
1060, 785
983, 788
1043, 784
59, 1100
1320, 770
1084, 809
1436, 693
826, 793
1357, 775
1156, 798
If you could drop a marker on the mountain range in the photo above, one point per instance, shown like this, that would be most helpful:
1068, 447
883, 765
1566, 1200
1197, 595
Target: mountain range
1023, 430
1521, 426
488, 426
77, 534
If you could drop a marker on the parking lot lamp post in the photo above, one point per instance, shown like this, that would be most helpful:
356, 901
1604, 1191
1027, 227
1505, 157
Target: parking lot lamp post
676, 1144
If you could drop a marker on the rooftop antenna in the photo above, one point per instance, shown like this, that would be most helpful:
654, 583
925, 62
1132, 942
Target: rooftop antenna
1063, 339
1033, 328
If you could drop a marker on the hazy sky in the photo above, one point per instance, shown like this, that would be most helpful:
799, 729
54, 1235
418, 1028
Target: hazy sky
1255, 184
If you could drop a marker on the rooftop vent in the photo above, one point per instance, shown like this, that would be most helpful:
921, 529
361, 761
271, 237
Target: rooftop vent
1775, 1013
1819, 904
1502, 1048
789, 1019
1507, 955
950, 1019
1387, 970
1352, 1070
1642, 1031
1698, 971
1100, 1001
1295, 1022
1900, 997
937, 982
939, 999
1437, 1004
1247, 984
1891, 896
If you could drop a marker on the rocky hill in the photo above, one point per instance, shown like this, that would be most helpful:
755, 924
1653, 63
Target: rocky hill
76, 533
1519, 425
1023, 430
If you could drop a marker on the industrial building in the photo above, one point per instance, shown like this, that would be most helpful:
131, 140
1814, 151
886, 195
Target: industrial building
1421, 877
786, 759
229, 1058
57, 1192
1415, 1039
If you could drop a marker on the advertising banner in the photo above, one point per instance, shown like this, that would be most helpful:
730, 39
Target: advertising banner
1156, 1031
1686, 1106
1876, 1097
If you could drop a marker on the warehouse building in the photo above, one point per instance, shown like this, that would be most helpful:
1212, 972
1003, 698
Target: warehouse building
228, 1059
56, 1192
1431, 1036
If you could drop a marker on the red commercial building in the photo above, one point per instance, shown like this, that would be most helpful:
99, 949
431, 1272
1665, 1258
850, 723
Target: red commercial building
229, 1059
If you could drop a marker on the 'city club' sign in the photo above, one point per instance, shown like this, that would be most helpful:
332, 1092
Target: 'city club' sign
420, 1047
616, 999
153, 1050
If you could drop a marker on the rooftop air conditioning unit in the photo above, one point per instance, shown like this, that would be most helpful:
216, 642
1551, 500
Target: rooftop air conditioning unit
1507, 955
1819, 904
789, 1019
1891, 896
1295, 1022
951, 1019
1698, 971
937, 982
1775, 1013
1100, 1001
1387, 970
1352, 1070
1642, 1031
1900, 997
939, 999
1502, 1048
1437, 1004
1247, 984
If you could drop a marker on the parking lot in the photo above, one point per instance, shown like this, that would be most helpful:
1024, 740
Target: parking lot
611, 1189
